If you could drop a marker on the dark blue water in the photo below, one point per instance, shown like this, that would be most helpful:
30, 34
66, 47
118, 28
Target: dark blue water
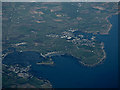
68, 73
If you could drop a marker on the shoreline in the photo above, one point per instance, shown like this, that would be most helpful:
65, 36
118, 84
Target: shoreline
110, 25
101, 60
101, 43
59, 53
45, 63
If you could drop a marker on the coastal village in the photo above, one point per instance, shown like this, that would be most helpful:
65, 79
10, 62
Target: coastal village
20, 71
23, 73
77, 40
38, 14
50, 30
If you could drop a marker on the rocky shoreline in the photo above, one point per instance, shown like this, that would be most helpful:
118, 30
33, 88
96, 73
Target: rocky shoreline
101, 60
110, 25
107, 32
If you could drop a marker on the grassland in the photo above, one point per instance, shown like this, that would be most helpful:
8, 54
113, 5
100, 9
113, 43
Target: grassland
49, 29
30, 23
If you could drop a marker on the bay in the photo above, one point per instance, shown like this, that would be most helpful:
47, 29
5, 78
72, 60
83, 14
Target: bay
68, 73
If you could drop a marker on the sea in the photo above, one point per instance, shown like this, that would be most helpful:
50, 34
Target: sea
68, 73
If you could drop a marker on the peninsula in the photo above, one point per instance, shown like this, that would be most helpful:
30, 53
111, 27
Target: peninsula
56, 28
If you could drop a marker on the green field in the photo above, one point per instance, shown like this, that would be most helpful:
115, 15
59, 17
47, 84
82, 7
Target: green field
49, 29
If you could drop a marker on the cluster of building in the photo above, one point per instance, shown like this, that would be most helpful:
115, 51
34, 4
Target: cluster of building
82, 42
20, 71
52, 35
67, 35
18, 44
78, 40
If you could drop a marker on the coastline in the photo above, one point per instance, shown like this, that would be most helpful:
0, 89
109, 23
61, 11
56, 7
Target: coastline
45, 63
110, 25
59, 53
101, 60
107, 32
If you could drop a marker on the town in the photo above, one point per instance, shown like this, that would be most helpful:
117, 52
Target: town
79, 40
20, 71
